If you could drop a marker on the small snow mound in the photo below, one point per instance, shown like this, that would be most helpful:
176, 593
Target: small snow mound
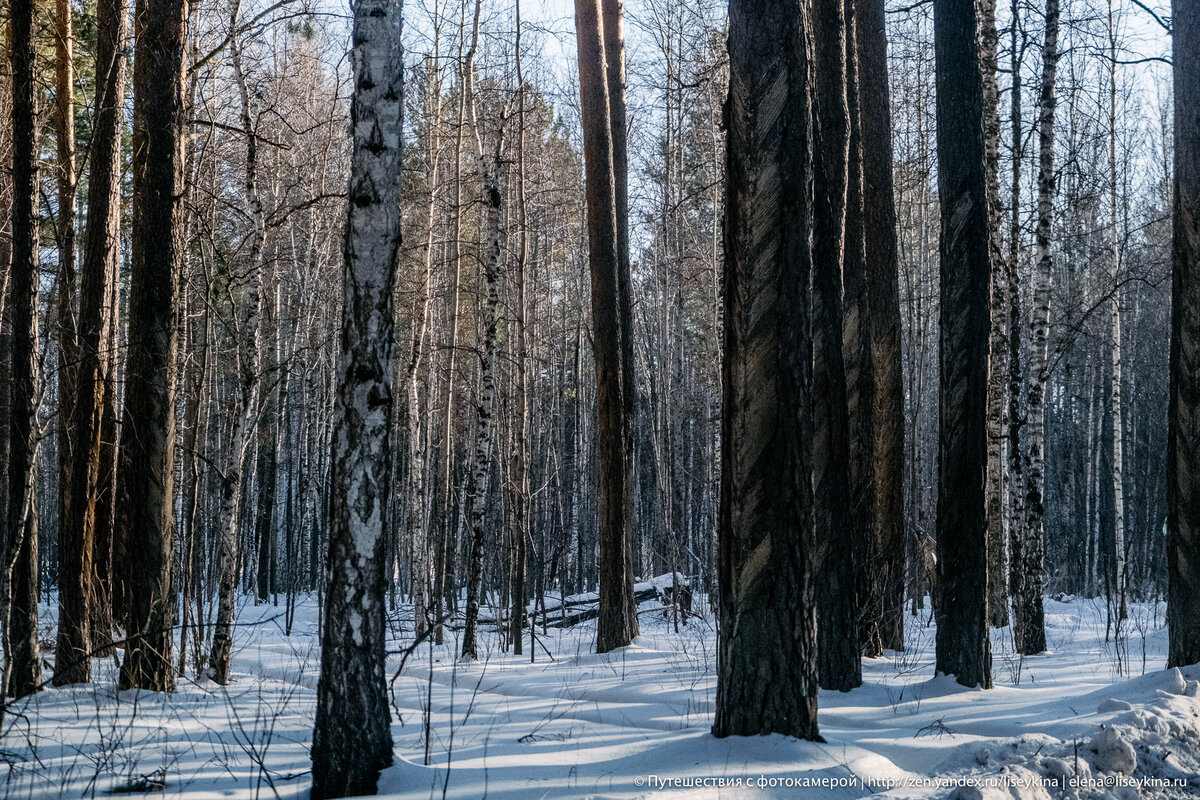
1113, 704
967, 793
1058, 768
1141, 719
1175, 682
1113, 753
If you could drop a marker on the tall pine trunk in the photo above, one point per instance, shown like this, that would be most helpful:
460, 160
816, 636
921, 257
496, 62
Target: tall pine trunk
147, 474
856, 347
611, 319
883, 290
767, 673
838, 661
71, 654
94, 408
22, 666
963, 647
618, 622
148, 429
1183, 457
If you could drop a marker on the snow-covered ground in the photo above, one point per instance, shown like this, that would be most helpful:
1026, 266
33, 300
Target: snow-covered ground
635, 723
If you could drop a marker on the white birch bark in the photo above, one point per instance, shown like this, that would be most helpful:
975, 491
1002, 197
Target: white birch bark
1029, 622
352, 737
246, 313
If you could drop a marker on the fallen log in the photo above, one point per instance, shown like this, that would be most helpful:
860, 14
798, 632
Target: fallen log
580, 608
576, 608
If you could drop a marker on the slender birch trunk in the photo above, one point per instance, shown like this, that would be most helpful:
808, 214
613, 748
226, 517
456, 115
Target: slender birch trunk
1029, 629
246, 313
1115, 392
998, 343
519, 469
489, 256
418, 516
1015, 423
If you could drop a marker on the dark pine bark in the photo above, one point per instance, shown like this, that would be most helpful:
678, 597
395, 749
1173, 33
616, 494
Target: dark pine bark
856, 346
621, 621
1183, 457
111, 596
146, 472
23, 668
963, 647
883, 290
264, 519
74, 643
91, 467
839, 665
597, 29
767, 679
352, 738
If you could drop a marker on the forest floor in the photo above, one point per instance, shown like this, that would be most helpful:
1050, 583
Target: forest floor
635, 723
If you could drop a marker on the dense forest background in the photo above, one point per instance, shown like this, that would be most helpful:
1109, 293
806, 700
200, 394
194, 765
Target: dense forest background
808, 311
267, 99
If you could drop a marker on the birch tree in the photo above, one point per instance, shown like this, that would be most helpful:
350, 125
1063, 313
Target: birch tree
999, 342
1118, 570
519, 479
489, 257
1029, 628
245, 315
1014, 376
352, 737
